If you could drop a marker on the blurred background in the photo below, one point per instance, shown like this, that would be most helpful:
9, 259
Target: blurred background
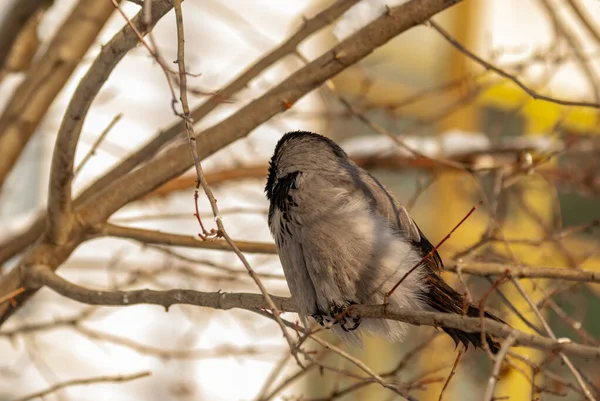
534, 162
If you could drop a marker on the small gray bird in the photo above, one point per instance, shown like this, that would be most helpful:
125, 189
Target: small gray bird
344, 239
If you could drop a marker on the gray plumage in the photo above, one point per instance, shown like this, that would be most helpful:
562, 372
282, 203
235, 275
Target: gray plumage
344, 239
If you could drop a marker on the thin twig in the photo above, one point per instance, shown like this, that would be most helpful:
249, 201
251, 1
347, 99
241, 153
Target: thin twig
534, 94
430, 254
81, 382
202, 180
489, 392
565, 359
11, 295
452, 372
97, 143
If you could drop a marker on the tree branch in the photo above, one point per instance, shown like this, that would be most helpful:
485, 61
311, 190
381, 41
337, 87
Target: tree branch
37, 276
81, 382
15, 18
61, 174
173, 162
487, 269
46, 78
488, 66
483, 269
188, 241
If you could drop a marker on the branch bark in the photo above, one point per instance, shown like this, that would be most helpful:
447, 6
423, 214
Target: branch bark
81, 382
49, 249
38, 275
187, 241
47, 77
60, 207
15, 18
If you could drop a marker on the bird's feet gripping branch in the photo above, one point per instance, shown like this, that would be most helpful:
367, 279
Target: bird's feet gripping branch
337, 315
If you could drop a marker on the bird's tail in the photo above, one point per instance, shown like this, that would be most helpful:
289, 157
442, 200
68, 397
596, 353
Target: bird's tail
442, 298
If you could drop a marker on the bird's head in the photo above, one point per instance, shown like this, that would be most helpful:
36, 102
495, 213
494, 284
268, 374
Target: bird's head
303, 151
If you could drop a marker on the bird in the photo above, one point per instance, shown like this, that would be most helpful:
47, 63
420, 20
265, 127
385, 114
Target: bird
343, 239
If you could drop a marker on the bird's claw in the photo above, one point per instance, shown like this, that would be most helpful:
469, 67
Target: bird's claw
319, 318
324, 320
339, 314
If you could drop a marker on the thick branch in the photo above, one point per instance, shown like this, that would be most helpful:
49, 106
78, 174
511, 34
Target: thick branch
46, 78
15, 18
37, 276
52, 252
61, 175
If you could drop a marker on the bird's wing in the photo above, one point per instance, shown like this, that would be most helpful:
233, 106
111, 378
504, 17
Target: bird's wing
296, 274
387, 206
356, 181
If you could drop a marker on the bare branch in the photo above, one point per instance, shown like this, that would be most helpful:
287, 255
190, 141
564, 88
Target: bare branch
81, 382
61, 175
201, 180
487, 269
188, 241
15, 18
586, 391
45, 79
488, 66
97, 143
489, 392
575, 45
38, 275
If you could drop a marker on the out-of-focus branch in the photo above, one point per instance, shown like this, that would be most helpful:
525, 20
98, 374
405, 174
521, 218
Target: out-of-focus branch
15, 19
497, 269
188, 241
564, 32
187, 181
80, 382
501, 157
489, 392
46, 78
488, 66
199, 353
565, 359
588, 23
61, 175
38, 275
97, 143
484, 269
